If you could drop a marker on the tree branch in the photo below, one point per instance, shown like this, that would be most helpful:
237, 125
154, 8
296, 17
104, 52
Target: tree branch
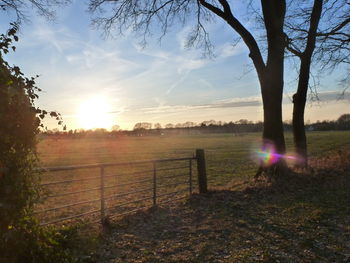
335, 30
212, 8
247, 37
293, 51
314, 21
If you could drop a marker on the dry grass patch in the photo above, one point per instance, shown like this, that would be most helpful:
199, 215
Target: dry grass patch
308, 221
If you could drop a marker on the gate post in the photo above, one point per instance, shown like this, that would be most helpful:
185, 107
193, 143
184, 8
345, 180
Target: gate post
154, 184
202, 174
190, 176
102, 195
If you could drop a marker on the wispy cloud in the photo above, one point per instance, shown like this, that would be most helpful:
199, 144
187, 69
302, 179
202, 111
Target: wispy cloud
327, 96
229, 49
74, 64
58, 38
254, 101
323, 96
156, 53
231, 103
188, 64
177, 83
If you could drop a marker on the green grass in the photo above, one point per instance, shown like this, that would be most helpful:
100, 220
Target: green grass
228, 156
307, 220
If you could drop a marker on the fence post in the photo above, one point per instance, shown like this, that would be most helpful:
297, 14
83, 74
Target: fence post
190, 179
102, 192
202, 174
154, 184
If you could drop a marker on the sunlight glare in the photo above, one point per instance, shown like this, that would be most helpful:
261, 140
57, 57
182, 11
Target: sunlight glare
95, 113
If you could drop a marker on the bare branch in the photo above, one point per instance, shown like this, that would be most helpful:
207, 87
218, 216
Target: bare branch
143, 17
212, 8
247, 37
335, 30
291, 49
19, 7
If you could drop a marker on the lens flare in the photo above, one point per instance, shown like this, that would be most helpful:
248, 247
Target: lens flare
267, 155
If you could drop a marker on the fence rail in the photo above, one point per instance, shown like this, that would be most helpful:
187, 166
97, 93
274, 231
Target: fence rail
97, 165
153, 180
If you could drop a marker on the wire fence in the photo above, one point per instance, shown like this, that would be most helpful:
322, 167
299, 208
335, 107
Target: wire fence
95, 192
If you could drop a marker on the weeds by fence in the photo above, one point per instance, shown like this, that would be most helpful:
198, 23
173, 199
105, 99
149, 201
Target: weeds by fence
96, 192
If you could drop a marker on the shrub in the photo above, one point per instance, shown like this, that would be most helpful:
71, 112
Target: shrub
21, 238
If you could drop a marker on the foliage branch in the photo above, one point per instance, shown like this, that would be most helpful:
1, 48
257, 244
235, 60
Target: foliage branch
21, 238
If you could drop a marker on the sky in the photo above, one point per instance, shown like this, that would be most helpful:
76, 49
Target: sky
98, 82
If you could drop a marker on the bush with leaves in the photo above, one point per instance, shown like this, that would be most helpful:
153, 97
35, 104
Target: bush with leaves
21, 238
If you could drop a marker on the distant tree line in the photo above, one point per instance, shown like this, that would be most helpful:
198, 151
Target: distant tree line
342, 123
237, 128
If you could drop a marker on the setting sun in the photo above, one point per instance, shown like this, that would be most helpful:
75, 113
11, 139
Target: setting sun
95, 113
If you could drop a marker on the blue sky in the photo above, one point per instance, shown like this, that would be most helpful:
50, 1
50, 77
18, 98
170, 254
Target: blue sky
163, 82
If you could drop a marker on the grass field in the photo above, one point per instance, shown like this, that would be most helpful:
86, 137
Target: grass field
307, 221
228, 156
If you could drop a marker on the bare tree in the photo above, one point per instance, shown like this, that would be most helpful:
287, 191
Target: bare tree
320, 30
189, 124
143, 126
157, 126
20, 7
141, 16
169, 126
115, 127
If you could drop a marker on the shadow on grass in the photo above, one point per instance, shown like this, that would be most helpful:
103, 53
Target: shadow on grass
304, 220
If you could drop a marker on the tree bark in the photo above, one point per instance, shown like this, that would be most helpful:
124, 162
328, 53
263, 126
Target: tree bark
270, 74
272, 104
299, 102
299, 98
272, 81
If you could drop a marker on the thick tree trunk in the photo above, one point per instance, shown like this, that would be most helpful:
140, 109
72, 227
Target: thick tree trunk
272, 83
300, 141
273, 134
299, 102
270, 74
299, 98
272, 91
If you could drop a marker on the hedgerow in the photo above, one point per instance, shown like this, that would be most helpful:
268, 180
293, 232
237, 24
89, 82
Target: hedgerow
21, 237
